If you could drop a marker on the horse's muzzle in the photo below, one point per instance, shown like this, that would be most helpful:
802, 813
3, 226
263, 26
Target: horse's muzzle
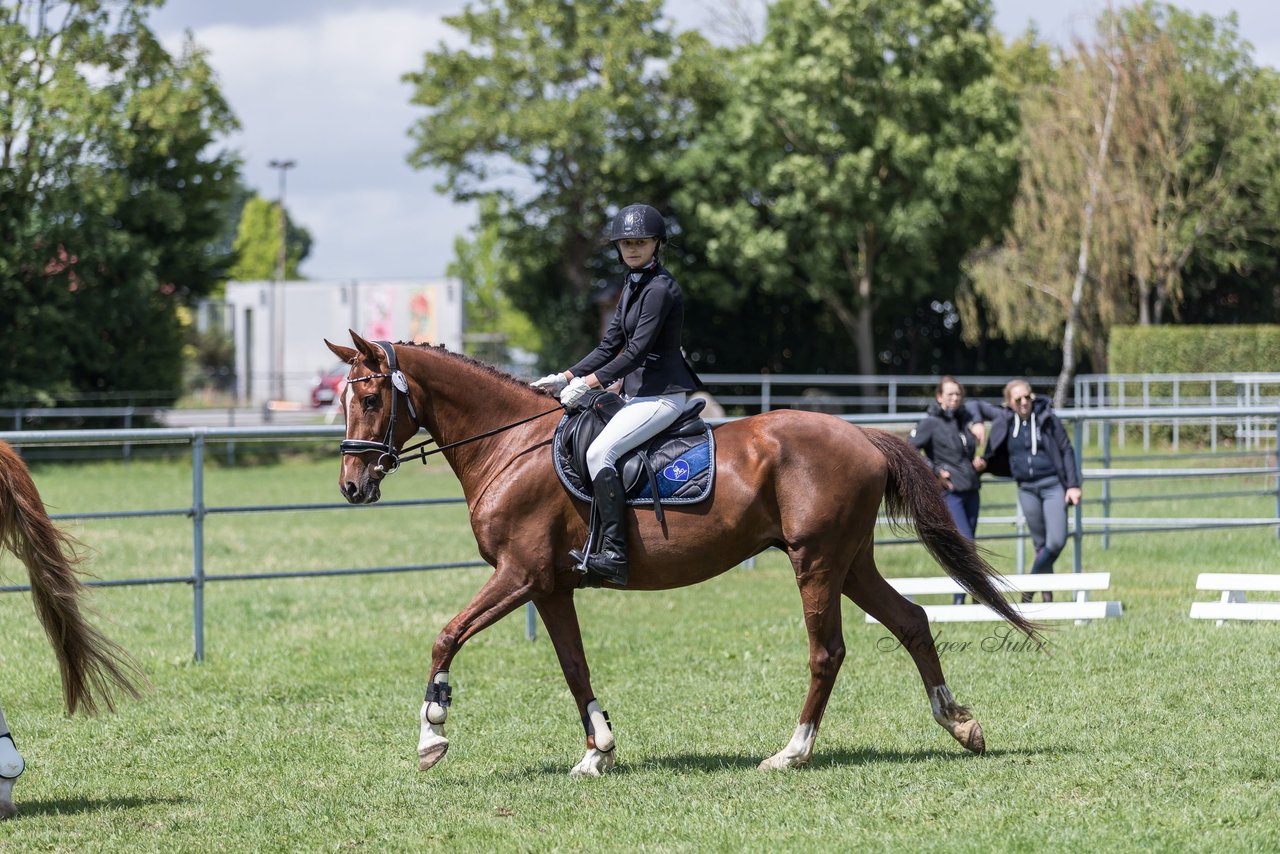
366, 492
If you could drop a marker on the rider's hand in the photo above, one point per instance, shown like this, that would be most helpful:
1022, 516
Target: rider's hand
552, 383
573, 392
1073, 495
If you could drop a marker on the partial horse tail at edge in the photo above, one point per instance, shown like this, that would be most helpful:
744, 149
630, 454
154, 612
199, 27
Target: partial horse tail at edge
93, 667
912, 492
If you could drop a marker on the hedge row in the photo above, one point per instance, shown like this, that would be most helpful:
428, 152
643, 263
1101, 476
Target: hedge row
1194, 349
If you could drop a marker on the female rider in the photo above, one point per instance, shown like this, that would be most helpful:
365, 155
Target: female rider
641, 347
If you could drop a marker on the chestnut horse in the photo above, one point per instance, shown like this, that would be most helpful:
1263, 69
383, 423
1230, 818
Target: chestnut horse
805, 483
91, 664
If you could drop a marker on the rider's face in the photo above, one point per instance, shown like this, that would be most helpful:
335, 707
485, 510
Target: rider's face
637, 251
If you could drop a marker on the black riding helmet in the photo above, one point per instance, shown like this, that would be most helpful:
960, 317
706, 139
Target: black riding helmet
638, 222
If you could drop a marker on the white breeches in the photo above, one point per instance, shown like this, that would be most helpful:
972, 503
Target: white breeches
640, 420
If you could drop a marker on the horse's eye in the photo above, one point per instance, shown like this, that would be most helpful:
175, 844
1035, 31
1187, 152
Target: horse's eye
370, 402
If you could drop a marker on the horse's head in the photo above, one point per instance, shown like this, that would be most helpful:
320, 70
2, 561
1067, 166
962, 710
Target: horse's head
380, 418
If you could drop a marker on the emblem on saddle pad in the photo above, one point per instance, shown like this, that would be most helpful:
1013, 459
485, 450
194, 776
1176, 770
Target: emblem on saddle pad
679, 470
675, 467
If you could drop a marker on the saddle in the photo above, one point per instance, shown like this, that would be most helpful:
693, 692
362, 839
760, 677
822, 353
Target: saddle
675, 467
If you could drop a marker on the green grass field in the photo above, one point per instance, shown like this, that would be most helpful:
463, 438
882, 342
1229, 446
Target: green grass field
299, 730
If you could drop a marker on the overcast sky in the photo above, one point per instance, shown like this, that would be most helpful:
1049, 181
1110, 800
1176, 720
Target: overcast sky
318, 82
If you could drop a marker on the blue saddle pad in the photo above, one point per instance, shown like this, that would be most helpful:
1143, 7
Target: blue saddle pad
684, 468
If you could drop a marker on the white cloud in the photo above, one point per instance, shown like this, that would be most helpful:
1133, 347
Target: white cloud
326, 93
398, 232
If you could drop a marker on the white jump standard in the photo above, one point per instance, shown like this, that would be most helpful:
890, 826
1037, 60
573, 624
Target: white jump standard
1080, 608
1234, 603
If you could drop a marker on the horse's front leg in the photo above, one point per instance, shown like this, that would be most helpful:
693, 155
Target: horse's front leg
561, 621
11, 765
502, 593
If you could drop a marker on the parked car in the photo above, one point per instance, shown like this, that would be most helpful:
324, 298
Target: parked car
327, 387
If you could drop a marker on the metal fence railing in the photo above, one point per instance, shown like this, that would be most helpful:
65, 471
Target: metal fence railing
198, 439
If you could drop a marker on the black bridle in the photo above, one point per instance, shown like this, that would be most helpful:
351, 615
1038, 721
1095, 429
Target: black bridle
386, 449
399, 386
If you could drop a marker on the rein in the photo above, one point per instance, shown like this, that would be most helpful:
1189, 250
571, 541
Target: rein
420, 448
386, 450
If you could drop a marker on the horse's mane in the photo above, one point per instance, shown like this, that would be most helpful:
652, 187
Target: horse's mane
483, 367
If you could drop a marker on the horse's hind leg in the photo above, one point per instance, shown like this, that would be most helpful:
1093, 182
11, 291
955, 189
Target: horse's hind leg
820, 594
907, 621
560, 619
11, 766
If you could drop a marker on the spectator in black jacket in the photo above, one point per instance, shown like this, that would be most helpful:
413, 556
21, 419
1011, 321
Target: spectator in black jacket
949, 435
1030, 444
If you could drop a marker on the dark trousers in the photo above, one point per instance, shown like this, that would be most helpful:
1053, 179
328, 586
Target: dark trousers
964, 508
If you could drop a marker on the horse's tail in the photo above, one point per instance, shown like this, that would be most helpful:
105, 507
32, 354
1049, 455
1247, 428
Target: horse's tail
912, 492
92, 665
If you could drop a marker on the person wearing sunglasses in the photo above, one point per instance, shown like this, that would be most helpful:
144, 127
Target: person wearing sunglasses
1029, 443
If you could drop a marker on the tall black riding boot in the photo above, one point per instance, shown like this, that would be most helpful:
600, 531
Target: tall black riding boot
610, 559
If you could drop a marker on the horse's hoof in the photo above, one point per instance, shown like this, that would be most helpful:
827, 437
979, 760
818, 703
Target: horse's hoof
969, 734
431, 754
594, 764
782, 760
7, 810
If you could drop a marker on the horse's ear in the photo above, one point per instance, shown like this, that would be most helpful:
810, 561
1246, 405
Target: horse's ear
346, 354
371, 352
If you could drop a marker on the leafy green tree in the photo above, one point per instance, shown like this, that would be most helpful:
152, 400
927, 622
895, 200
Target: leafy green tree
1150, 153
561, 112
111, 198
866, 148
481, 265
257, 243
1197, 154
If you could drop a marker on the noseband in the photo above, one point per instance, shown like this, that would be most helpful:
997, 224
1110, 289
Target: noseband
386, 448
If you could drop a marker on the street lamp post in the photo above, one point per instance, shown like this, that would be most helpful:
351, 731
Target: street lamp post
277, 295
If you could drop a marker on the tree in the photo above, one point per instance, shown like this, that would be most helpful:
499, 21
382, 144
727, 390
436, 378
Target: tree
1150, 147
1035, 281
561, 112
481, 266
865, 149
257, 243
1198, 149
111, 197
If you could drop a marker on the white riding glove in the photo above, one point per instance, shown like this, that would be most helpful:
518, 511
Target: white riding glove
573, 392
553, 383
